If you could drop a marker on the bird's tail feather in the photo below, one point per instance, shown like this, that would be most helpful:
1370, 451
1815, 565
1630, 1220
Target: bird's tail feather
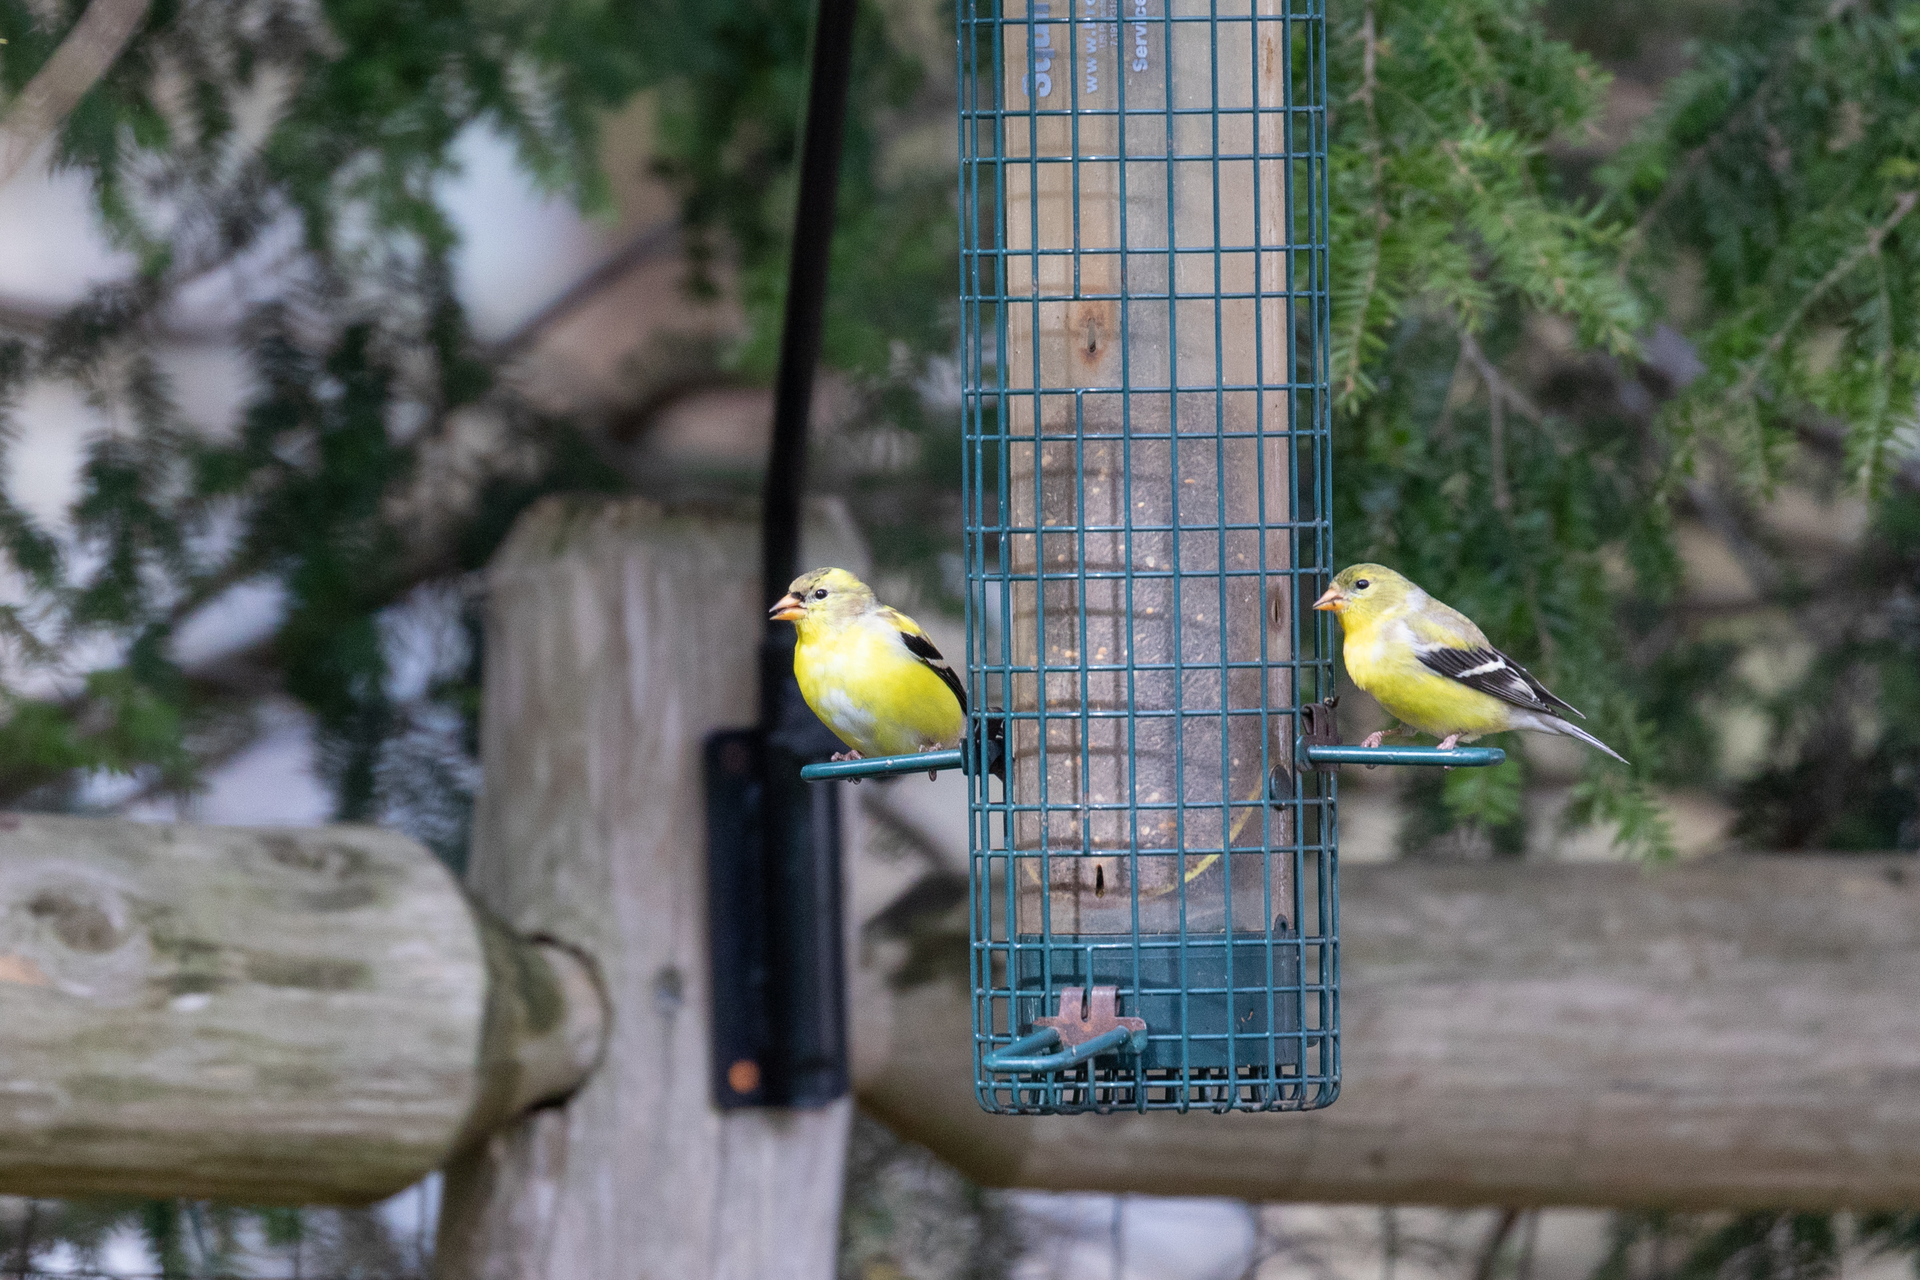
1572, 730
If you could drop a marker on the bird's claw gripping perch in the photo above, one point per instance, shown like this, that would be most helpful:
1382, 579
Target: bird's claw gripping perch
1372, 740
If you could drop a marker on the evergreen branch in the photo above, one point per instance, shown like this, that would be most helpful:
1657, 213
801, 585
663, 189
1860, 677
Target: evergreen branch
231, 735
1376, 147
86, 54
1498, 388
1497, 393
1750, 375
1721, 514
1871, 438
649, 244
1443, 425
1829, 437
29, 318
1635, 239
25, 316
1546, 235
1501, 393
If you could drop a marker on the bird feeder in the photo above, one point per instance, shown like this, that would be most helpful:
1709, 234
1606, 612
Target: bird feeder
1145, 315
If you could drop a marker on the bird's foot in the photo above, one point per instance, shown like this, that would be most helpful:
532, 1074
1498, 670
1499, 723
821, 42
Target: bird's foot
839, 756
1374, 739
1449, 742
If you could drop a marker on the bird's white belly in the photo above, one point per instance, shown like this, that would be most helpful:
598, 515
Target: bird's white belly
844, 716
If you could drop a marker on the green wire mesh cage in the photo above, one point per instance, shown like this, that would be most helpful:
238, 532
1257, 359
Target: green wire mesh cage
1144, 338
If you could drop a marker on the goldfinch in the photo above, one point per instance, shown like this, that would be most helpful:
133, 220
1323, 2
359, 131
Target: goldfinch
868, 671
1432, 668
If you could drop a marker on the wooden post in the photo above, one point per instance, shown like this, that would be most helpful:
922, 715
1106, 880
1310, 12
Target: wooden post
294, 1016
1737, 1034
620, 634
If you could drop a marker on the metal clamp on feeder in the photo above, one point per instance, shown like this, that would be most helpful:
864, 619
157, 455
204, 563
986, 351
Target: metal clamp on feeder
1084, 1031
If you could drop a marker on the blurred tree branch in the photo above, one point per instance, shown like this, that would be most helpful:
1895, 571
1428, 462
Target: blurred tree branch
75, 67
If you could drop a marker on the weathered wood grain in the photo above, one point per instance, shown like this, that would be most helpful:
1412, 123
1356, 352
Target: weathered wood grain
267, 1016
1101, 484
1742, 1032
619, 635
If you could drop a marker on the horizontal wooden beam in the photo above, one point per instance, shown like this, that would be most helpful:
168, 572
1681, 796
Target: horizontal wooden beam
290, 1016
1739, 1033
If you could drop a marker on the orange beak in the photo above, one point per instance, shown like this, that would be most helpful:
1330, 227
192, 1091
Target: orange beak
1333, 600
786, 609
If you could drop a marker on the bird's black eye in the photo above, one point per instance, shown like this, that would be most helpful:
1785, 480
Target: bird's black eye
820, 594
1360, 585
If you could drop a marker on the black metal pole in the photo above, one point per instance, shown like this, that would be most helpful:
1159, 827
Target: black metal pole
806, 303
799, 978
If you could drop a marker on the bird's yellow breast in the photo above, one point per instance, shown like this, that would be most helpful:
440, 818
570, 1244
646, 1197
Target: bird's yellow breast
1384, 663
881, 700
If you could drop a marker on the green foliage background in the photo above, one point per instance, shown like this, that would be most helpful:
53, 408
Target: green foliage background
1472, 210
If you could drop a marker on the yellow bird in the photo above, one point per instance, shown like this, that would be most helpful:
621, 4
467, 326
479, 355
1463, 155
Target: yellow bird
868, 671
1432, 668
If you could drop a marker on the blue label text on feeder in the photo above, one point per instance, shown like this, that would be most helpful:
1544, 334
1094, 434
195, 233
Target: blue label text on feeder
1101, 31
1039, 83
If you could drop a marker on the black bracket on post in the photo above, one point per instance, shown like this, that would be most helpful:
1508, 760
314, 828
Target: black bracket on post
773, 923
773, 841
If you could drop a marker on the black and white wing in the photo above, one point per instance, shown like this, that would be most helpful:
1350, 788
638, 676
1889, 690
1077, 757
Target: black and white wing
1485, 668
922, 648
